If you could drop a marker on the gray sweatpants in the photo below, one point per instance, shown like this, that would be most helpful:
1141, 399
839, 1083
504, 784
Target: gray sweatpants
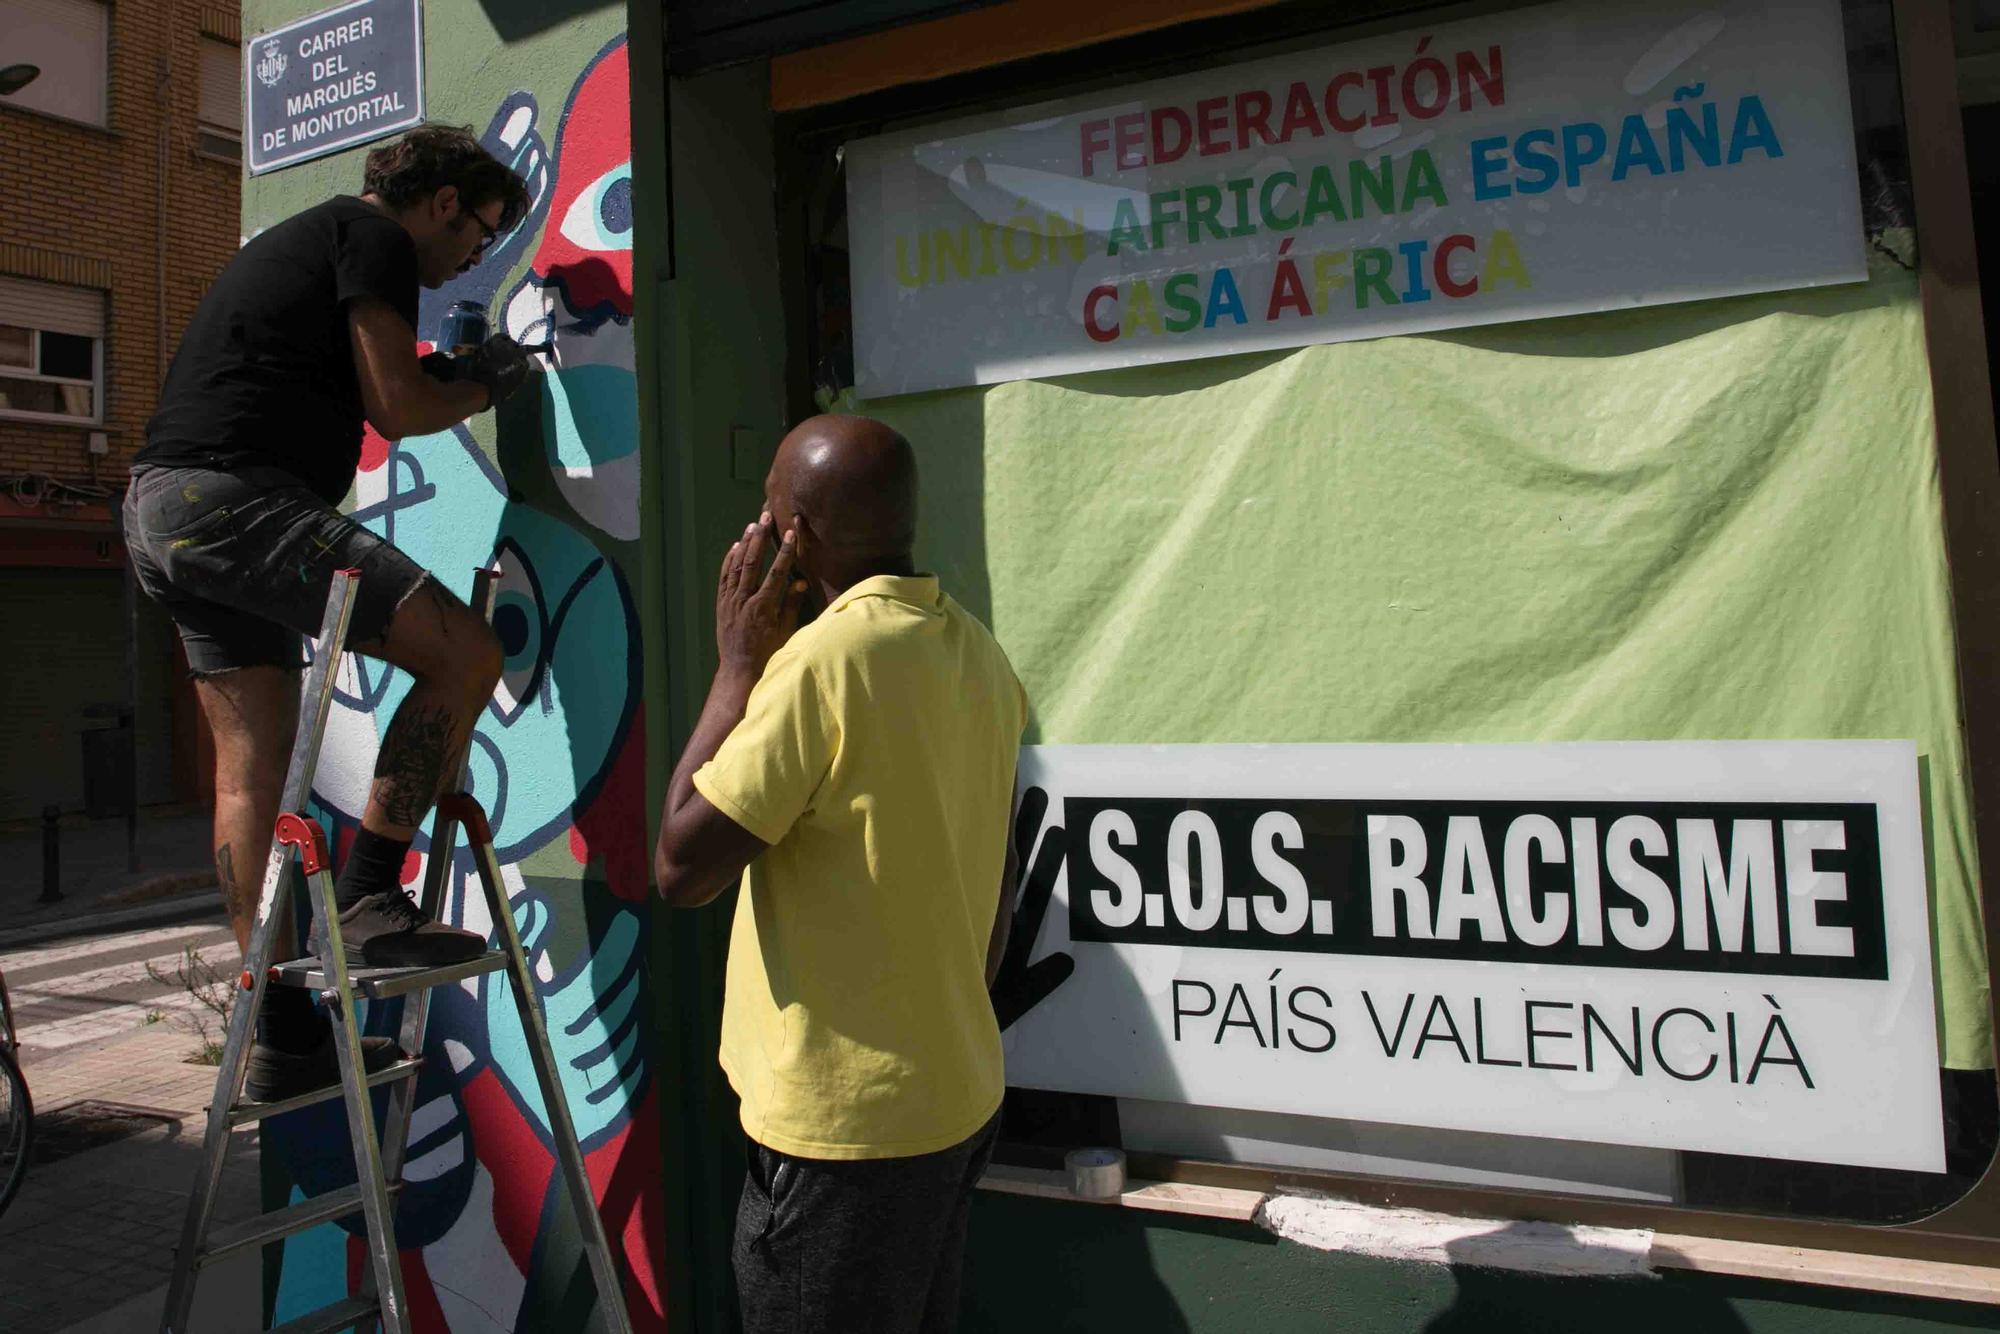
874, 1244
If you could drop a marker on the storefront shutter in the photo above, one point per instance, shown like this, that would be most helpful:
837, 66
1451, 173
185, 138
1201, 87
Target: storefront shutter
76, 618
51, 306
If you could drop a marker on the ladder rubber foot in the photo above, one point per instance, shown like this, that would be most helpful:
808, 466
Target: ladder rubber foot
293, 1218
243, 1113
382, 983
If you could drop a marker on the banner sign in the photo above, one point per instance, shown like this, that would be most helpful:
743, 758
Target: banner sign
1718, 946
331, 81
1547, 161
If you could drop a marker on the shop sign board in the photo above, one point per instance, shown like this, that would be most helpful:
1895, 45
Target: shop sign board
338, 78
1714, 946
1549, 161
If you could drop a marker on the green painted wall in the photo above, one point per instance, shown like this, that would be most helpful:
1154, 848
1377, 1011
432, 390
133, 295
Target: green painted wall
1053, 1266
721, 356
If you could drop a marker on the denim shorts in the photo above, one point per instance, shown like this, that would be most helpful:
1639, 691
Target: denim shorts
242, 562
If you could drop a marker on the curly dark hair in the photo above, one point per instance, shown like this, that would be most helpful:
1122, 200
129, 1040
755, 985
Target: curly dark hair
418, 164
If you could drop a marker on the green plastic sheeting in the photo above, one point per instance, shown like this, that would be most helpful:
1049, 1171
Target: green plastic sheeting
1717, 520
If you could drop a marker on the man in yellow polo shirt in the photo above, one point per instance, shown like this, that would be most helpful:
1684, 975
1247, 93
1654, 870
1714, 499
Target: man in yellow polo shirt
858, 774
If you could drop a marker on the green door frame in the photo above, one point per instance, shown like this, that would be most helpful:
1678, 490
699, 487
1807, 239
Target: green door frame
710, 332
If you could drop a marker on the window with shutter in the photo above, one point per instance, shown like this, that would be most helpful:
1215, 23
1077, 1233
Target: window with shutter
66, 40
51, 351
221, 96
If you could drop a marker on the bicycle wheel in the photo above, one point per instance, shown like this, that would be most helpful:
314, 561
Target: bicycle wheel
17, 1127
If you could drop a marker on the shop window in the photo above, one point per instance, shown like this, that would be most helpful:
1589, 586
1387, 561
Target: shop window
51, 351
219, 117
67, 43
1043, 1122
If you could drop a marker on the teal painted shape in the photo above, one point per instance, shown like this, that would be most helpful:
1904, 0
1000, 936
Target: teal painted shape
590, 416
590, 1021
563, 622
315, 1268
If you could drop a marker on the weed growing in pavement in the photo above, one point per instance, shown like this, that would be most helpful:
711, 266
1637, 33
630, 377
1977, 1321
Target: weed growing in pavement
211, 988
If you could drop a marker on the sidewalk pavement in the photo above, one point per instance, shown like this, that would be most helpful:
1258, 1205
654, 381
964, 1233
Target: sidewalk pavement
86, 1246
176, 872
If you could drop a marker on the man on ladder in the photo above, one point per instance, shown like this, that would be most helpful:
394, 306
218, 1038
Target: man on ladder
231, 524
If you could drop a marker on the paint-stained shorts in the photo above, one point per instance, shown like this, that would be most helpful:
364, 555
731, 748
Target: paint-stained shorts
242, 562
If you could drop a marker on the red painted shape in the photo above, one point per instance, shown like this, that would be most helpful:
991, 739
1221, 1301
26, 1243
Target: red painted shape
613, 826
519, 1162
595, 140
625, 1176
303, 832
578, 848
248, 982
374, 448
413, 865
422, 1314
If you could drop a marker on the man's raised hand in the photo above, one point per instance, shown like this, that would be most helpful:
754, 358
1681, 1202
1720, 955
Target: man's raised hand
756, 609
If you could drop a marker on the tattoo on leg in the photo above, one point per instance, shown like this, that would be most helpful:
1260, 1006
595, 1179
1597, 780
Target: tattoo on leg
443, 603
240, 899
411, 765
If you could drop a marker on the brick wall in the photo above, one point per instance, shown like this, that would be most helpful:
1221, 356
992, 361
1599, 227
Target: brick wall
90, 206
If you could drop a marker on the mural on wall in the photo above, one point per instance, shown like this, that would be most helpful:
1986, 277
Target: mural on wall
557, 760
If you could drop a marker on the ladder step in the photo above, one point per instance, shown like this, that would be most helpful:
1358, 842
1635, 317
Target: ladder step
243, 1113
283, 1222
330, 1319
381, 983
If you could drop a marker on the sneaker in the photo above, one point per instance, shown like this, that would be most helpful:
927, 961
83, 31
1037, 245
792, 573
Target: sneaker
387, 930
275, 1075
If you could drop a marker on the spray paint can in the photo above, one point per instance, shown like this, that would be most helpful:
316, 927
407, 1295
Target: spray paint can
464, 329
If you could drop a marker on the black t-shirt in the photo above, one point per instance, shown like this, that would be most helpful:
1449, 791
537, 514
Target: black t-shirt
265, 372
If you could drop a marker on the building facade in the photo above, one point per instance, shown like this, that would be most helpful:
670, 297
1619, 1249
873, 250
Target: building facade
1592, 524
120, 163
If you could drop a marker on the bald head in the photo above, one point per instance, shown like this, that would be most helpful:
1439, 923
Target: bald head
853, 481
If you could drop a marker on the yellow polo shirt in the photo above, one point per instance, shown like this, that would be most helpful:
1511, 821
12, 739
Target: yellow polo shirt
876, 756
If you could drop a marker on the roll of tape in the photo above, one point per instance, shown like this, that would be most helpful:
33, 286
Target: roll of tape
1096, 1174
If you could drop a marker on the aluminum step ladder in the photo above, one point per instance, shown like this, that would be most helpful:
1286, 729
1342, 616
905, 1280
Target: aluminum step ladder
378, 1160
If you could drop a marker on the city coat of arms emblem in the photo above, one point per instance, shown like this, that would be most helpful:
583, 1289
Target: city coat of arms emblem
271, 65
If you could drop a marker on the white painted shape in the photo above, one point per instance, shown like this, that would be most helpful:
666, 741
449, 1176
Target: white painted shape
606, 495
478, 1287
437, 1162
518, 126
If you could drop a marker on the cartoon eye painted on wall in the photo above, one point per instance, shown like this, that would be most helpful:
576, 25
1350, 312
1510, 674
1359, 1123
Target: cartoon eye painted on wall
600, 217
521, 622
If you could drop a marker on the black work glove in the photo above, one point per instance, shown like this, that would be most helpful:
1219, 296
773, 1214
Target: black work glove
439, 366
500, 365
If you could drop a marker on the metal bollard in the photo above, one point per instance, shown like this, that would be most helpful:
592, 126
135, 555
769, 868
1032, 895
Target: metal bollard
51, 856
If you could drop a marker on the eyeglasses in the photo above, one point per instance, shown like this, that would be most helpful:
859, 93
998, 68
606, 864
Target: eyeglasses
487, 236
